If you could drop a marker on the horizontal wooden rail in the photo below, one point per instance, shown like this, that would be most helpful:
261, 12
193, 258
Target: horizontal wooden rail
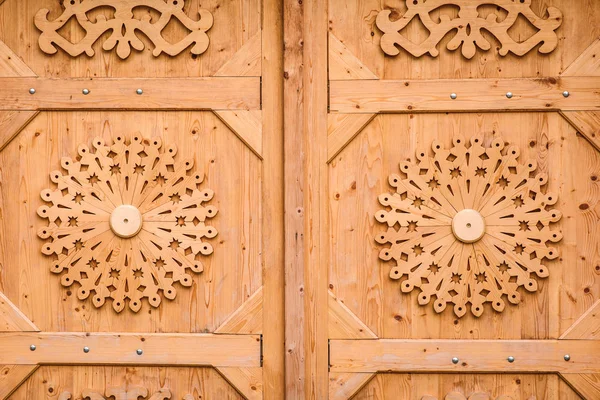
122, 349
217, 93
395, 355
472, 95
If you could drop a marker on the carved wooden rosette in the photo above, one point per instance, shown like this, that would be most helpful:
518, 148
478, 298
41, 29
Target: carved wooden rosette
468, 26
126, 222
469, 224
123, 27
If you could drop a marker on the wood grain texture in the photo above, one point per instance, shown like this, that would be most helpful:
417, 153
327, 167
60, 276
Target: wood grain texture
220, 93
246, 62
587, 327
343, 324
344, 385
587, 64
539, 94
587, 123
248, 319
426, 355
11, 65
121, 349
12, 319
247, 125
12, 376
586, 385
342, 128
247, 381
343, 65
11, 123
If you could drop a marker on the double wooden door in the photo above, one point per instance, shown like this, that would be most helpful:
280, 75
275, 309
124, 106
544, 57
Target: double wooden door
299, 199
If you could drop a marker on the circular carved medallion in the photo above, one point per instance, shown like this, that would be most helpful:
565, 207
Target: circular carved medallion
468, 225
126, 222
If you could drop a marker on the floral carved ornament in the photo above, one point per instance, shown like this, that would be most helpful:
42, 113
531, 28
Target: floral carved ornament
468, 225
123, 27
126, 222
468, 27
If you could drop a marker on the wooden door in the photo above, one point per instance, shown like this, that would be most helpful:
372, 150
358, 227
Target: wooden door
140, 200
450, 198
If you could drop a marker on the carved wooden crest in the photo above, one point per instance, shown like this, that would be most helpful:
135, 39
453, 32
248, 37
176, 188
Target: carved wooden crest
469, 224
120, 393
468, 27
126, 222
123, 27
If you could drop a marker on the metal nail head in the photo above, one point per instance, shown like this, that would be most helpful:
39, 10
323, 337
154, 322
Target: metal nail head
85, 91
511, 359
32, 91
566, 93
32, 347
139, 91
567, 357
453, 96
509, 95
455, 360
139, 352
86, 349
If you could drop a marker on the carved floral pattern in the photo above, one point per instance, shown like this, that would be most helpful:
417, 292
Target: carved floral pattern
468, 26
141, 253
469, 224
123, 27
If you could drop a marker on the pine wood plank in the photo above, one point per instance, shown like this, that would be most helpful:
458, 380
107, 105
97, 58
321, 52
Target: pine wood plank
587, 327
342, 128
586, 385
12, 376
247, 60
11, 123
121, 349
429, 355
343, 324
221, 93
247, 125
343, 385
344, 65
247, 381
11, 65
531, 94
248, 319
12, 319
587, 123
587, 64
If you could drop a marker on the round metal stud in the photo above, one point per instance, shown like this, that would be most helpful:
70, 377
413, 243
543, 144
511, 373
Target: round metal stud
139, 91
455, 360
509, 95
86, 349
453, 96
32, 347
566, 93
567, 357
511, 359
85, 91
139, 352
32, 91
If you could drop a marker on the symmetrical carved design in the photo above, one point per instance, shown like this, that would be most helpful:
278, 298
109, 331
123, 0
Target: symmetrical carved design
473, 396
123, 27
126, 222
468, 225
120, 393
468, 25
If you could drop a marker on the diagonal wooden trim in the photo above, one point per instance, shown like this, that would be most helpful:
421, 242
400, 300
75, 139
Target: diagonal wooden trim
585, 385
12, 123
13, 376
248, 319
426, 355
246, 61
344, 65
344, 324
473, 95
121, 349
344, 385
587, 123
247, 125
587, 327
342, 129
221, 93
12, 319
587, 64
11, 65
247, 381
